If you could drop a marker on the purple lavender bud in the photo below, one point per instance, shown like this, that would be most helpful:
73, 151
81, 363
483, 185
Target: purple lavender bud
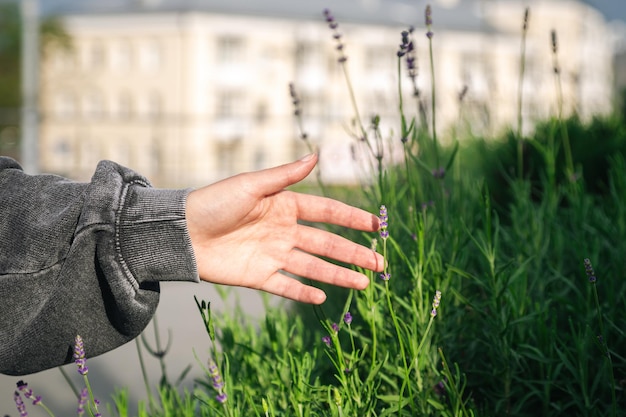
327, 340
329, 17
335, 327
385, 276
439, 173
436, 302
216, 378
333, 25
404, 44
410, 63
82, 401
591, 275
526, 15
440, 389
23, 388
79, 355
428, 14
347, 318
217, 382
383, 222
21, 407
28, 392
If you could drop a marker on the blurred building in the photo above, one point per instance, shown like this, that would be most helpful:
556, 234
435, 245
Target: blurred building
188, 95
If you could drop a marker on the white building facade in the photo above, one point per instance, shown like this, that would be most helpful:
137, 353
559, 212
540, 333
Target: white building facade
189, 97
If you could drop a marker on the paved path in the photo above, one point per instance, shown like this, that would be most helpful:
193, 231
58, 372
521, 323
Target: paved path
120, 368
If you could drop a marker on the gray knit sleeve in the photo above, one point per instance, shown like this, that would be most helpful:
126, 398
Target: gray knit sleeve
83, 259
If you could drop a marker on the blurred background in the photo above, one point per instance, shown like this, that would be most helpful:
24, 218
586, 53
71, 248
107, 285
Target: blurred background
188, 92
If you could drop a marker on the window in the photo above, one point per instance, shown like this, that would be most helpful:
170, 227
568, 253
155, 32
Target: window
227, 154
62, 148
229, 49
123, 56
154, 105
64, 59
65, 105
378, 58
151, 56
96, 56
94, 105
229, 104
124, 105
308, 54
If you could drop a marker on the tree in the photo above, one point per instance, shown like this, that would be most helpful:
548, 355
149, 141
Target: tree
52, 35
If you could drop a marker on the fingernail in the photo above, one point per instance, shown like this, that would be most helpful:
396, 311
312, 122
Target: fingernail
307, 158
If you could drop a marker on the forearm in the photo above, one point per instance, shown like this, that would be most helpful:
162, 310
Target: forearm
83, 258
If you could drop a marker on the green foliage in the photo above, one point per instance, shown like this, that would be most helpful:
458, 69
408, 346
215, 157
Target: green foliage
52, 36
592, 145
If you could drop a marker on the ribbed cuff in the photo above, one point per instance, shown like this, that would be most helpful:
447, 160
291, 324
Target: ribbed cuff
151, 235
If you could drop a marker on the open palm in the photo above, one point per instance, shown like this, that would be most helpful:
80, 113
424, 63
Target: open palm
245, 232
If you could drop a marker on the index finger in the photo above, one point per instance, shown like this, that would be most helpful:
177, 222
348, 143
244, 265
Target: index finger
326, 210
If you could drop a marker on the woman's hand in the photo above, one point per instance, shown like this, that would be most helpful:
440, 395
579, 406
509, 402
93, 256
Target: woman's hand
245, 232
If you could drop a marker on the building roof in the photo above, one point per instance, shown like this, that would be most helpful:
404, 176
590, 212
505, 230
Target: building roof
459, 15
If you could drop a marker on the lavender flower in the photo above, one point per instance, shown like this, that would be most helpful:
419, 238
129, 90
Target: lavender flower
526, 16
554, 42
440, 389
28, 392
79, 355
439, 173
384, 222
385, 276
589, 271
554, 50
295, 100
21, 407
335, 327
327, 340
407, 47
436, 302
347, 318
217, 382
82, 401
96, 403
333, 25
404, 45
428, 14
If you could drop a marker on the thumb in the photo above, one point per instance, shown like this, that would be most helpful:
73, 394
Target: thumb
273, 180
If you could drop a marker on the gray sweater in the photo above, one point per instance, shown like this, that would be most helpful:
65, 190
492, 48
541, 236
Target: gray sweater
83, 258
